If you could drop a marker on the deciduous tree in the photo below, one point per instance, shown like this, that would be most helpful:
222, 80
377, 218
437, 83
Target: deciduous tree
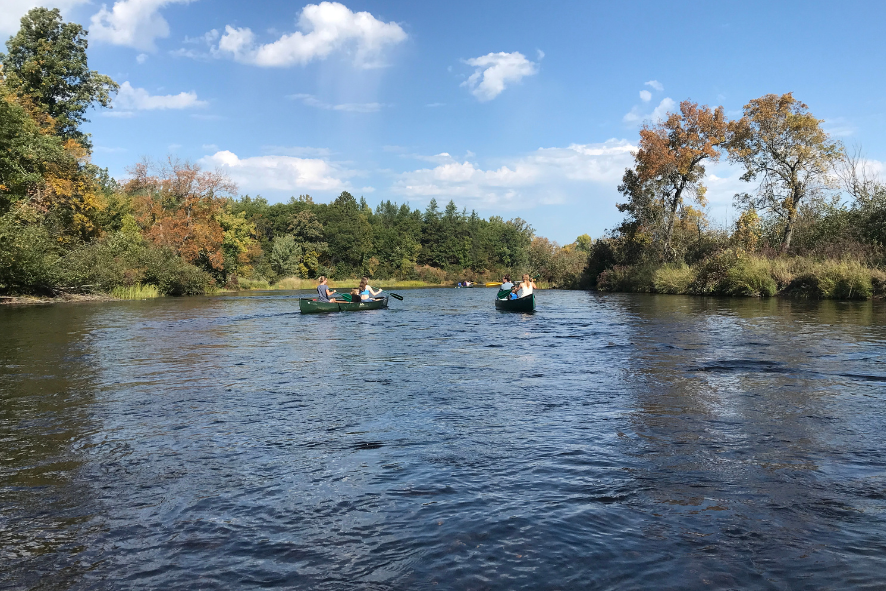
781, 143
47, 64
668, 166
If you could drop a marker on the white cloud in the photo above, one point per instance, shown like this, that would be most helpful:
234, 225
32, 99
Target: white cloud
494, 71
645, 96
323, 29
131, 98
14, 10
132, 23
435, 105
312, 101
655, 84
141, 58
280, 173
636, 115
547, 175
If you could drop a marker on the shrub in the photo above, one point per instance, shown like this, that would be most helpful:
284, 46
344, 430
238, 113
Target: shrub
256, 283
711, 275
430, 274
634, 278
673, 278
750, 276
135, 292
845, 280
27, 257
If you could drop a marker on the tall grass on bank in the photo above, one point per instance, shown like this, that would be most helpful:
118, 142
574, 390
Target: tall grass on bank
741, 274
135, 292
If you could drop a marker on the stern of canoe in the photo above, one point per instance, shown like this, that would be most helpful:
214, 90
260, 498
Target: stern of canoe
524, 304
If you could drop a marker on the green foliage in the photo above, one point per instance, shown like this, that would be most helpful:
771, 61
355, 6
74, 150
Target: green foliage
673, 278
285, 256
47, 64
28, 256
135, 292
749, 276
636, 278
844, 280
121, 259
244, 283
26, 154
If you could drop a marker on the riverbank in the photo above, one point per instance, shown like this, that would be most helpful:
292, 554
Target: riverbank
28, 300
732, 273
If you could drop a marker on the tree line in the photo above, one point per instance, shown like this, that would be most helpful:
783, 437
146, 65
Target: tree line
811, 222
66, 225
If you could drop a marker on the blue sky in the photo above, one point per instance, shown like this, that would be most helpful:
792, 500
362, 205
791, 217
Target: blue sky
514, 108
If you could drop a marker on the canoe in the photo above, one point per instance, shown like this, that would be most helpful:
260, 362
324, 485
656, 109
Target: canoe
524, 304
312, 306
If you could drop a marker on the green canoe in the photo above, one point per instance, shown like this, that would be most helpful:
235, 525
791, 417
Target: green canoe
524, 304
312, 306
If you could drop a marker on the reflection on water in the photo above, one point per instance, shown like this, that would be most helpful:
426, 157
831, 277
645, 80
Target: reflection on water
607, 441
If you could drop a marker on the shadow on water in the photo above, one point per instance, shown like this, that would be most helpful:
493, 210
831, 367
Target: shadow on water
47, 508
606, 441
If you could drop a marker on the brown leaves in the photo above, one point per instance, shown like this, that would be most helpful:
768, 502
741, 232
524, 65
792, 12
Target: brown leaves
178, 204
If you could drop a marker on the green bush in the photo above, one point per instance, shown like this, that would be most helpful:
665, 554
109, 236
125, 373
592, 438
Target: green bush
712, 274
27, 257
845, 280
750, 276
135, 292
673, 278
255, 283
633, 278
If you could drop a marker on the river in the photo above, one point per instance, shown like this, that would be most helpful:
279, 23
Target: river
608, 441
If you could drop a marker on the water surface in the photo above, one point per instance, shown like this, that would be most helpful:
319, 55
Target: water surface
606, 441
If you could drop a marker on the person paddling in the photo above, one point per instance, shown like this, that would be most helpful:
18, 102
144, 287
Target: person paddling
506, 283
324, 294
366, 291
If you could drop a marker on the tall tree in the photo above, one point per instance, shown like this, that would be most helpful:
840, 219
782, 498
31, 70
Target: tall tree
779, 141
47, 64
669, 164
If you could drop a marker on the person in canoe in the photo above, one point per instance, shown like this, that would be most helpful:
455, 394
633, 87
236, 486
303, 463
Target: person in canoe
506, 282
324, 294
366, 291
513, 295
525, 287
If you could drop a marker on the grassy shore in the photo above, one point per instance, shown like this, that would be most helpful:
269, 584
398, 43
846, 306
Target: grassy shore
740, 274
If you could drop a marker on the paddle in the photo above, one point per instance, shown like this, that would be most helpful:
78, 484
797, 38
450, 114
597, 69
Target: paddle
396, 296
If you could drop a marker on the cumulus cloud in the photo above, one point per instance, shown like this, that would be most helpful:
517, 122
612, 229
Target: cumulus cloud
312, 101
493, 72
14, 10
323, 29
645, 96
655, 84
131, 98
659, 113
548, 175
280, 173
132, 23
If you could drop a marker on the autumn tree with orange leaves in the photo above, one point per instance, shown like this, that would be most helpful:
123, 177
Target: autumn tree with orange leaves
781, 143
181, 206
668, 170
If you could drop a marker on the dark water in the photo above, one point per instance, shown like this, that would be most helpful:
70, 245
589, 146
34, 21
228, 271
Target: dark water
605, 442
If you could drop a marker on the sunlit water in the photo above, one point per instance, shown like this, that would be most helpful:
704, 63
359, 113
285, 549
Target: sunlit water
605, 442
